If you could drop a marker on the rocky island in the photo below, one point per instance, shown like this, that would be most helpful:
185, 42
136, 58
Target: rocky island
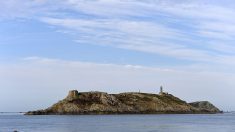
125, 103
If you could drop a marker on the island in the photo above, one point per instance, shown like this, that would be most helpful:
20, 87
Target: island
81, 103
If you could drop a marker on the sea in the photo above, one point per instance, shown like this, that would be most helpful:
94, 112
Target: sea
118, 123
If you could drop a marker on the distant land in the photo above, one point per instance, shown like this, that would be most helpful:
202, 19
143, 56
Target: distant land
11, 112
125, 103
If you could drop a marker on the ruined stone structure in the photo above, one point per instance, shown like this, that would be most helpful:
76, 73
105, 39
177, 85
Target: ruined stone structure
73, 94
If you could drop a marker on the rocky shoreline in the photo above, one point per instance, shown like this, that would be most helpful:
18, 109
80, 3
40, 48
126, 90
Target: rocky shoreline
125, 103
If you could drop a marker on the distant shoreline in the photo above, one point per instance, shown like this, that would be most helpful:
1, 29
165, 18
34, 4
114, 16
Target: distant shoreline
12, 112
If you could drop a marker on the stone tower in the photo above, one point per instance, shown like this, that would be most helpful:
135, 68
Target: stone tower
73, 94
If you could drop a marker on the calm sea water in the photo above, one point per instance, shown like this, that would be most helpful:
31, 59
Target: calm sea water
119, 123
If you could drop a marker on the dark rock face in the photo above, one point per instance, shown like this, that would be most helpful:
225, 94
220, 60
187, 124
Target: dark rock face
124, 103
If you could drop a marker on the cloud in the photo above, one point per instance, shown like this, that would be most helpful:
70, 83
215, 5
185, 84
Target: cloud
52, 78
182, 30
185, 30
18, 9
133, 35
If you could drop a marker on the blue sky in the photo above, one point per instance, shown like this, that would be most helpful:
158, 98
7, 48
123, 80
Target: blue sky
50, 47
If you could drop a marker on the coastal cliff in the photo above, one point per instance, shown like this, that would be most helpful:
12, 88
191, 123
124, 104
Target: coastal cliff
125, 103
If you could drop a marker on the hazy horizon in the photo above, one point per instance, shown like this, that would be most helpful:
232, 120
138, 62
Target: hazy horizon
50, 47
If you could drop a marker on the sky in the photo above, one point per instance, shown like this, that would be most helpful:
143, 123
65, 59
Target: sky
48, 47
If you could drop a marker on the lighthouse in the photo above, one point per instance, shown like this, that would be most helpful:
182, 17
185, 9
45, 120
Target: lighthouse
161, 91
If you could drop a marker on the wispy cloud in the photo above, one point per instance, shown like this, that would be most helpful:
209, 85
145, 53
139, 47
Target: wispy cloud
184, 30
195, 31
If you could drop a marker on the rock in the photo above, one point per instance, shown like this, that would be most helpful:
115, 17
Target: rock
205, 106
124, 103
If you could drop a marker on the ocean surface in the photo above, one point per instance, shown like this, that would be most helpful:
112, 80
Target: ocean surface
118, 123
